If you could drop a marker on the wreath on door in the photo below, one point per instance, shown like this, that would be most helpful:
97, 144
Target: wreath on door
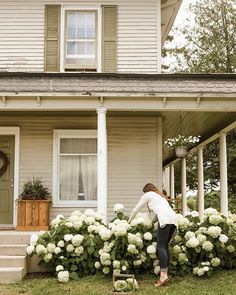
5, 160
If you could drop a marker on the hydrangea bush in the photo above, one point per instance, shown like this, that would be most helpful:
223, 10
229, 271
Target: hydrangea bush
82, 244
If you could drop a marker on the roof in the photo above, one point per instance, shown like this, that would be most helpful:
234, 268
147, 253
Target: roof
132, 84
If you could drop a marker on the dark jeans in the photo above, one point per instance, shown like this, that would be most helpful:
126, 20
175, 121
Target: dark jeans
164, 235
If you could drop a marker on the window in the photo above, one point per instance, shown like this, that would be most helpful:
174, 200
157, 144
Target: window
75, 153
81, 40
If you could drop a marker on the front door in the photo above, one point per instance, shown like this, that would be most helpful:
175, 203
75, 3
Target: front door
7, 146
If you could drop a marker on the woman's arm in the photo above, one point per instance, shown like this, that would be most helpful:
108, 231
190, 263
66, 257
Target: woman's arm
143, 200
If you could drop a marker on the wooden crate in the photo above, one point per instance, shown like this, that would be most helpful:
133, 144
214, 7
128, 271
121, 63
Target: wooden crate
33, 214
120, 277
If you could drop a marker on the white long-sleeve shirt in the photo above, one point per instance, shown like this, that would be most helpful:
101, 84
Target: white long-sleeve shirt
159, 205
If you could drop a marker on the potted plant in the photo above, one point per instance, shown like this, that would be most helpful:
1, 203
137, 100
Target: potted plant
181, 144
33, 206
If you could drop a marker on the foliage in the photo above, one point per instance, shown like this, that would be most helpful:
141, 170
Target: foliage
34, 190
83, 245
211, 42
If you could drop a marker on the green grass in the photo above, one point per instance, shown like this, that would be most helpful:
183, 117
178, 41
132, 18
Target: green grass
221, 283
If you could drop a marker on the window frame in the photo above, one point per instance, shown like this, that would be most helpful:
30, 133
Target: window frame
58, 134
98, 54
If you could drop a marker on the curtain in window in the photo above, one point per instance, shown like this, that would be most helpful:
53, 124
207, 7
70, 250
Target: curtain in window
89, 177
69, 177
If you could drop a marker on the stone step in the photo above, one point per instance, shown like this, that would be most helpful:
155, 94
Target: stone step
12, 261
14, 237
13, 250
11, 274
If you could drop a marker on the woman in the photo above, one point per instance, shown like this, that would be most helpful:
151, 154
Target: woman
167, 222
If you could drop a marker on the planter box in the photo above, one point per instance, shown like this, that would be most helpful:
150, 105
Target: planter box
122, 277
33, 214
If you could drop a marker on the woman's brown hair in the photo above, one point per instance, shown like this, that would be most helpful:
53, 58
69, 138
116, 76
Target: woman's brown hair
149, 187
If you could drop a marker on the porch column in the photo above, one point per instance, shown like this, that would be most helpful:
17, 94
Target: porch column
200, 173
223, 175
167, 180
172, 181
183, 186
102, 163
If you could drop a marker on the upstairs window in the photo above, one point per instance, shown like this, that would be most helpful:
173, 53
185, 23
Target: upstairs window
81, 40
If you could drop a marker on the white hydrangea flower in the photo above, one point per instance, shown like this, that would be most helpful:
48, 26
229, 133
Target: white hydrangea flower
188, 235
97, 264
97, 216
79, 250
30, 249
192, 242
230, 248
106, 270
177, 238
132, 249
105, 234
207, 246
194, 213
69, 224
157, 270
47, 257
77, 240
223, 238
63, 276
116, 264
177, 249
215, 219
119, 208
78, 224
151, 249
147, 236
34, 239
137, 262
61, 244
201, 238
200, 272
182, 258
51, 247
89, 220
229, 221
40, 249
57, 250
210, 211
68, 237
59, 268
156, 262
120, 231
214, 231
120, 285
70, 248
206, 268
215, 262
183, 223
195, 270
201, 230
124, 268
116, 271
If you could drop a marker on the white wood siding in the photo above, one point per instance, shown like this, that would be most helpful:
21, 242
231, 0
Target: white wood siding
22, 34
132, 153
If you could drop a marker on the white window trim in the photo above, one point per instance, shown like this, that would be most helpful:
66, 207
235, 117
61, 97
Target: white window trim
57, 135
16, 132
86, 7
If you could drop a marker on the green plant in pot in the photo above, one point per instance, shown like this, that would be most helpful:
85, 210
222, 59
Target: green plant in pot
33, 206
35, 190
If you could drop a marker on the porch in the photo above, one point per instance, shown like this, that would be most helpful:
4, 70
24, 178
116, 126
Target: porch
133, 116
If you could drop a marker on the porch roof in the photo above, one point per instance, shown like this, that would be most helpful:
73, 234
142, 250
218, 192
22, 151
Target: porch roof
109, 84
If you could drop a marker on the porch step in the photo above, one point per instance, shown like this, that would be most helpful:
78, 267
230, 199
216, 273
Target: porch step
11, 274
14, 250
12, 261
14, 237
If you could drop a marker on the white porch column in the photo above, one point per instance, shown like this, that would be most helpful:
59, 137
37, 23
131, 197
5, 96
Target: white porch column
172, 181
102, 163
183, 186
167, 180
200, 174
223, 175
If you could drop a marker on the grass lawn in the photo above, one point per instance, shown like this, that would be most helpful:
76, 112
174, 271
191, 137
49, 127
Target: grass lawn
221, 283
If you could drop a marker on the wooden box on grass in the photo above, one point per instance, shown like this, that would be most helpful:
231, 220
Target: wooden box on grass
117, 277
33, 214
